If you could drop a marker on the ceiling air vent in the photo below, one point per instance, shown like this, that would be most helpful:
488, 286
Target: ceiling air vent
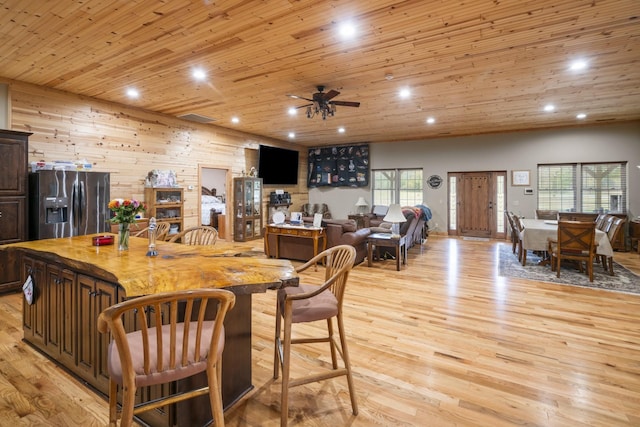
197, 118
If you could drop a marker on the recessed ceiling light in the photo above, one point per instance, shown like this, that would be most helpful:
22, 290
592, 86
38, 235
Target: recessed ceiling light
199, 74
132, 93
431, 120
293, 111
581, 116
292, 135
235, 120
340, 130
347, 30
578, 65
405, 93
549, 108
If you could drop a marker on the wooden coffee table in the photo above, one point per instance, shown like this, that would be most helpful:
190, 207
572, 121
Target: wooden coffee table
385, 240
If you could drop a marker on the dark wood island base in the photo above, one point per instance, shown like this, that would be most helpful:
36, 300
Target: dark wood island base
75, 281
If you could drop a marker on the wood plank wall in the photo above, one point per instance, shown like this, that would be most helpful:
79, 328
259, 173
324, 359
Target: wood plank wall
129, 142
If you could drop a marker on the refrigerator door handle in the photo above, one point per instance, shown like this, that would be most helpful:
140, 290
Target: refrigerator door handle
74, 208
75, 205
81, 202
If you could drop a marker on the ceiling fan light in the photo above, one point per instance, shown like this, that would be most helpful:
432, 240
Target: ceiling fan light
322, 103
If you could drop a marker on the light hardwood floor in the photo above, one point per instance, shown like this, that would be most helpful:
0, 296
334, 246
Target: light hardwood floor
443, 342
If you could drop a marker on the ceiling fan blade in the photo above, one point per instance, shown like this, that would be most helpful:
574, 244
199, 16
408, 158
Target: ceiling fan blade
345, 103
304, 106
300, 97
329, 95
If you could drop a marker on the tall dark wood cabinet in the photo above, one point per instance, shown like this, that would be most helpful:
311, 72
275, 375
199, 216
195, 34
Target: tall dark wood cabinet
13, 202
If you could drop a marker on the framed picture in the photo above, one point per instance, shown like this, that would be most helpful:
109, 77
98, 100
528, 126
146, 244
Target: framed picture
520, 178
296, 218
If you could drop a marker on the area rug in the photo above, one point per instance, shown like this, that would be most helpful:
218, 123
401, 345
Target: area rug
623, 281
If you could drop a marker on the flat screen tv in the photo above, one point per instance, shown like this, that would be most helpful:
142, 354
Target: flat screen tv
277, 166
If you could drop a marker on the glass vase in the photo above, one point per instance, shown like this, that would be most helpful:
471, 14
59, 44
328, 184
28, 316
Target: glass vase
123, 236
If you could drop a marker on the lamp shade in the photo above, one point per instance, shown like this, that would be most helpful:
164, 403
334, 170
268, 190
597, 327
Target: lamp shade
394, 214
361, 202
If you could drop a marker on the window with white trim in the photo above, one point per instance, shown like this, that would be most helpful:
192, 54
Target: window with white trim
557, 187
402, 186
583, 187
604, 187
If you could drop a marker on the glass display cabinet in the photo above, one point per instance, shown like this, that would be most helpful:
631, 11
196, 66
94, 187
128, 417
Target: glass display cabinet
247, 209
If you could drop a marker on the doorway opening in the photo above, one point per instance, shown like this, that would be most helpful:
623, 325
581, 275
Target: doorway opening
215, 195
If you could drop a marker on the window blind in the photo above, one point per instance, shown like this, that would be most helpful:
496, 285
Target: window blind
557, 187
604, 187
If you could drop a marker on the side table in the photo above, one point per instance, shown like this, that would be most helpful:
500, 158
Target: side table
385, 240
313, 233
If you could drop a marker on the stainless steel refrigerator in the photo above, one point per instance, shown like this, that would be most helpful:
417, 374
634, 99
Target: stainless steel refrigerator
68, 203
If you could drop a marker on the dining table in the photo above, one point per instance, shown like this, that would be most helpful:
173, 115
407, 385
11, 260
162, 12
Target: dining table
537, 233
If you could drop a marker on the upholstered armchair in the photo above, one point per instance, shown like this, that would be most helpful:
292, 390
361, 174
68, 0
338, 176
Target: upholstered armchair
377, 214
309, 209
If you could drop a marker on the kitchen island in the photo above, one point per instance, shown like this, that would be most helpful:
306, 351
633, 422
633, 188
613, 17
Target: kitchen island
74, 281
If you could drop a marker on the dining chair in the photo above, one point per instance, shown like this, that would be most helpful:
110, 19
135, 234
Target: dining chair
608, 221
577, 216
522, 252
614, 229
165, 347
311, 303
601, 220
515, 239
199, 235
546, 214
162, 229
575, 241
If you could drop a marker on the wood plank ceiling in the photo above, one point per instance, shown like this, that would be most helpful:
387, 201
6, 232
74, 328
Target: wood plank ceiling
475, 66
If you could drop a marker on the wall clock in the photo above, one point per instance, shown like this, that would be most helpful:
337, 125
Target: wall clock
434, 181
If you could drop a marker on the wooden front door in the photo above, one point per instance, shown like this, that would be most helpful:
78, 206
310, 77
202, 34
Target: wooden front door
475, 204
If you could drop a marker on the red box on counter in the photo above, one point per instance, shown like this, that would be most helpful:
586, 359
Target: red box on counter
102, 240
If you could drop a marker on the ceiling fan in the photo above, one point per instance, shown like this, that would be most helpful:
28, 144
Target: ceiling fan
322, 103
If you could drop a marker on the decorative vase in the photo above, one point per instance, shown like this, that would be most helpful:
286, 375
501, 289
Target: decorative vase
123, 236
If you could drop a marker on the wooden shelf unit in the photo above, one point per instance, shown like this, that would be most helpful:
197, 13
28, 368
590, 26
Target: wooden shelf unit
166, 204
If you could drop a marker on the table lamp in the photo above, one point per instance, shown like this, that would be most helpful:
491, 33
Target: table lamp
361, 204
395, 217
